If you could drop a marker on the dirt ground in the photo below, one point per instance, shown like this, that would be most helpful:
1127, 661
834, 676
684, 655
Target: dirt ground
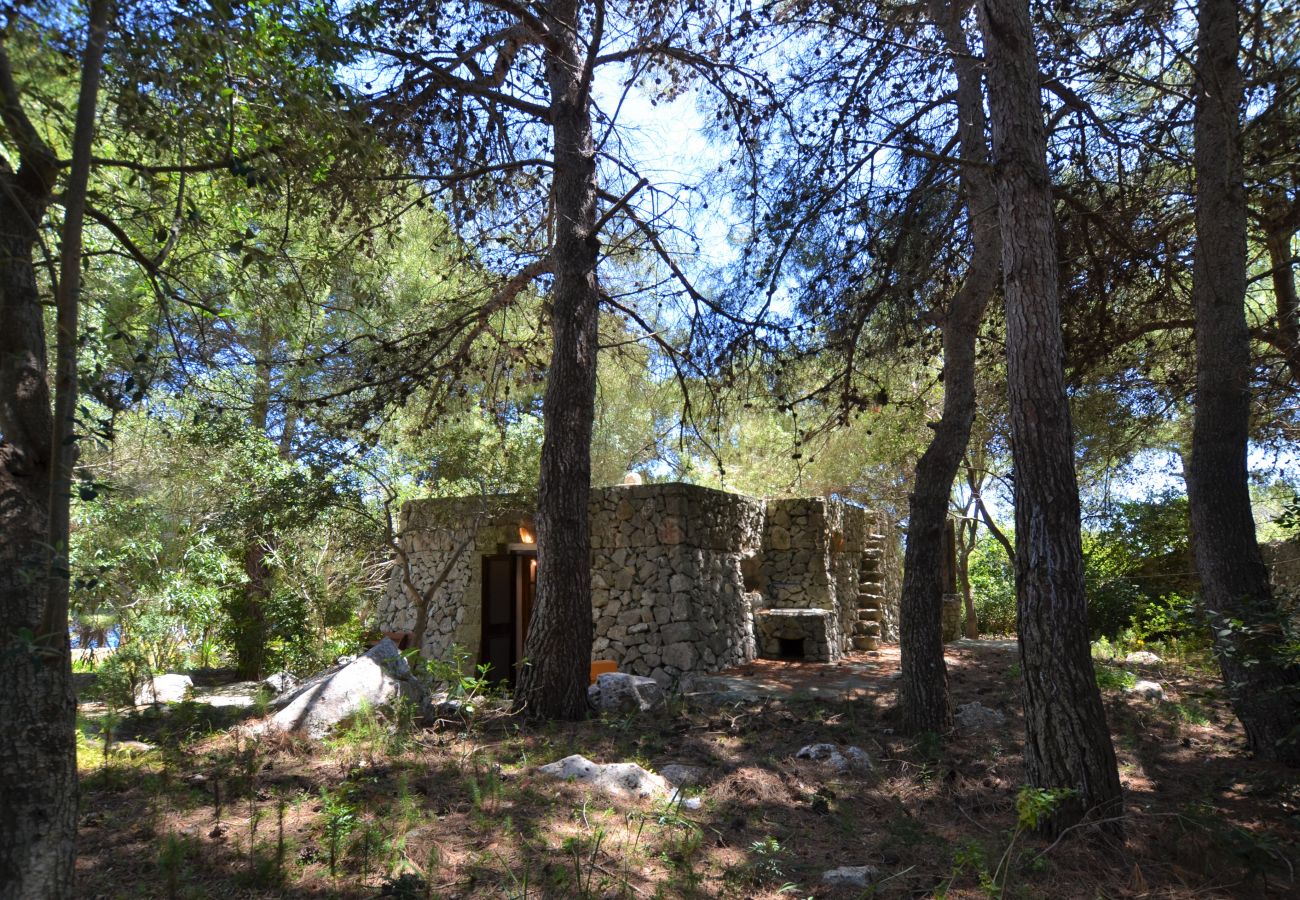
460, 811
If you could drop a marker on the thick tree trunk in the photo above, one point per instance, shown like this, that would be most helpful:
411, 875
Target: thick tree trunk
38, 773
38, 761
923, 693
1067, 743
553, 679
1234, 580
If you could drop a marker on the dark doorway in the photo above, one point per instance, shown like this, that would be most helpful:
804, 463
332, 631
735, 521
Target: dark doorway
509, 584
498, 650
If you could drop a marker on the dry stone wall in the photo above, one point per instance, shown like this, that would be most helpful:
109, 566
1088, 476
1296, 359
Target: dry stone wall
446, 538
668, 590
682, 576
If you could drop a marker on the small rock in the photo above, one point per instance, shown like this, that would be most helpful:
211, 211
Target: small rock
849, 760
976, 716
1142, 658
682, 776
621, 692
625, 780
131, 748
851, 876
169, 688
280, 682
1147, 690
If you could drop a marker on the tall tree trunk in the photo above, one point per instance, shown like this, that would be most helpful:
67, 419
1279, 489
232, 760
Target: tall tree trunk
1234, 580
1067, 743
923, 693
553, 680
967, 534
38, 763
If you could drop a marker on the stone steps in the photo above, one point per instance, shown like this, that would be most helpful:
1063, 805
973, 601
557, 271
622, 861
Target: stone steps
869, 613
871, 629
865, 642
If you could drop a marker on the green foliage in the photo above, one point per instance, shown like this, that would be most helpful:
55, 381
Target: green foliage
1289, 518
993, 587
121, 674
1035, 805
765, 866
341, 819
1138, 570
1113, 679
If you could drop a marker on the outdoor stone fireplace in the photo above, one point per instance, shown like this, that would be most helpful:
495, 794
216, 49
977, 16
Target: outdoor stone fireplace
797, 634
685, 579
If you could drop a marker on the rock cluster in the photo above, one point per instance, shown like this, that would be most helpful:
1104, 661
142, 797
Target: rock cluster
842, 761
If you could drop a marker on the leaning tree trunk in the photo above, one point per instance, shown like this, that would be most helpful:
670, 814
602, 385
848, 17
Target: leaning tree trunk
923, 693
1067, 744
1234, 580
553, 679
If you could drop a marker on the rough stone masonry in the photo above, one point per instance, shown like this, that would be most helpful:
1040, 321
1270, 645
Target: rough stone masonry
685, 579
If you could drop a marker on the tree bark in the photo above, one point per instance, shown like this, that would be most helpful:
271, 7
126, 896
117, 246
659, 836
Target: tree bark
923, 693
1279, 232
1235, 586
38, 771
1067, 743
553, 679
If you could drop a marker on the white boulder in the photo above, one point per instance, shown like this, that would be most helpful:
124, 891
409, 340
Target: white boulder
280, 682
851, 876
163, 689
377, 677
626, 781
1142, 658
978, 717
1147, 690
620, 692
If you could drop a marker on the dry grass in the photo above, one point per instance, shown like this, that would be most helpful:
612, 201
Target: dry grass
462, 813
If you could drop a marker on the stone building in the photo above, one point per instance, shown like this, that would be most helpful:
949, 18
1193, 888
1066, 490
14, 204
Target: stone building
685, 579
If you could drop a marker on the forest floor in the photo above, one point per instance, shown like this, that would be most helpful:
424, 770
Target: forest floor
462, 812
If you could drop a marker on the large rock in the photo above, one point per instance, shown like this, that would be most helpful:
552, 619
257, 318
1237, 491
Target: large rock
1142, 658
376, 678
622, 780
163, 689
620, 692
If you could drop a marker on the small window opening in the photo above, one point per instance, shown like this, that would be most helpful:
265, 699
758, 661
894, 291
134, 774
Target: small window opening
791, 648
